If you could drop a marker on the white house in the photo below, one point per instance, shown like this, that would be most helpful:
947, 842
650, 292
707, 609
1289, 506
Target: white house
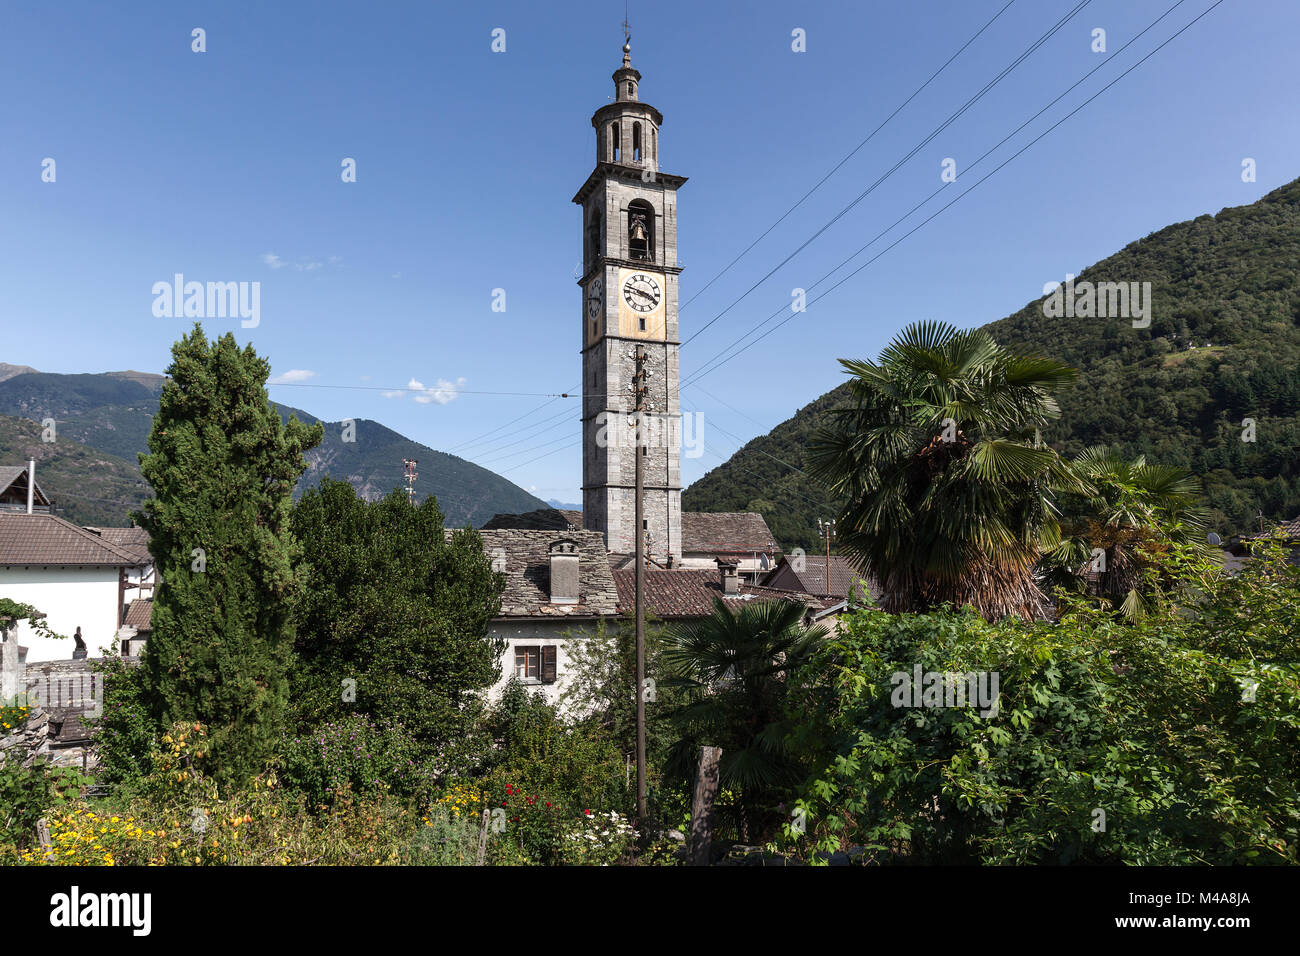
75, 577
558, 588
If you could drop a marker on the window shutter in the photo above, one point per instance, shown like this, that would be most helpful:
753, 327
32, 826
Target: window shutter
548, 665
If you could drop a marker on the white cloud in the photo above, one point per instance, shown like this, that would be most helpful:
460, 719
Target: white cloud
304, 263
291, 376
443, 392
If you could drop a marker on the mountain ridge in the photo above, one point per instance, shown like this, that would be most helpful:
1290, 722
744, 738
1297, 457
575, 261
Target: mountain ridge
105, 418
1223, 347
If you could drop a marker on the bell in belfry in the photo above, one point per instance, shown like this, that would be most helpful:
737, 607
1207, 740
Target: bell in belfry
638, 233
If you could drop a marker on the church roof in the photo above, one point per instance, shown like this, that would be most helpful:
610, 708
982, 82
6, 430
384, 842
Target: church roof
726, 533
543, 519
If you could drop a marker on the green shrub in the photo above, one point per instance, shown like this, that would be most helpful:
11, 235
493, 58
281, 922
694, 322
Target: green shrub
126, 733
1110, 744
356, 755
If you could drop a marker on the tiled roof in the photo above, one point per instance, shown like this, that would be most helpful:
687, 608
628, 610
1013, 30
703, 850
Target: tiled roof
725, 533
1290, 529
527, 567
11, 473
689, 592
543, 519
37, 539
131, 540
139, 614
812, 578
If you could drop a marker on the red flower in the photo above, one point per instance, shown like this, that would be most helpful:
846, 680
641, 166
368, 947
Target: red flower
587, 812
548, 804
503, 803
509, 789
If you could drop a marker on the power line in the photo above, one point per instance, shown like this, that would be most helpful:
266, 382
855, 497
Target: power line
1006, 71
546, 455
714, 367
533, 431
522, 451
475, 441
453, 390
853, 152
818, 185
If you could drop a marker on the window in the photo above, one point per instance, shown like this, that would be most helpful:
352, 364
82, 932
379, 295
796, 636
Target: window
640, 230
593, 239
636, 142
535, 663
618, 145
642, 321
631, 90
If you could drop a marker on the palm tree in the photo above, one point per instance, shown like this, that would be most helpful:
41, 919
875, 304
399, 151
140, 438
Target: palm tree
1133, 511
736, 667
947, 480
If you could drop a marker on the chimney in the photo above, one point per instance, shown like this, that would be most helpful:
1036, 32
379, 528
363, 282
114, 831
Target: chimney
31, 483
564, 572
730, 577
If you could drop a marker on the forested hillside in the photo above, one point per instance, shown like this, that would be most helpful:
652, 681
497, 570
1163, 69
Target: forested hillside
1223, 346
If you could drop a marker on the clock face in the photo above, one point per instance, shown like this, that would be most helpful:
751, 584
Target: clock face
595, 297
642, 292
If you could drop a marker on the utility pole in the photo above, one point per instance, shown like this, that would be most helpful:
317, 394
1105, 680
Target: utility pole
410, 477
827, 529
639, 391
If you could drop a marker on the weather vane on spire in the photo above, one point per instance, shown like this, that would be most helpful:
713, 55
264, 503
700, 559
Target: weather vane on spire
627, 38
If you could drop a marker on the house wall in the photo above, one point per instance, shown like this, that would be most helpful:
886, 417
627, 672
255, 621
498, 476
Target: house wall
71, 597
748, 566
559, 634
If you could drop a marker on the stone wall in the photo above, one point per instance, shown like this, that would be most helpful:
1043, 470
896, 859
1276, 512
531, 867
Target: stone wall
63, 694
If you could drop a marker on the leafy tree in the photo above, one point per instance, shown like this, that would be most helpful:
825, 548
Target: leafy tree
392, 621
125, 735
222, 465
736, 666
1131, 515
12, 611
601, 687
948, 484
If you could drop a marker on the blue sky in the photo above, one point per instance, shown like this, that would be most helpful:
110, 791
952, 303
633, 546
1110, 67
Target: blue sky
225, 166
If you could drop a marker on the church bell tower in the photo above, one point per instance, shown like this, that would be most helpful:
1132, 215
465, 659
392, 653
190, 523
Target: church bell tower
629, 306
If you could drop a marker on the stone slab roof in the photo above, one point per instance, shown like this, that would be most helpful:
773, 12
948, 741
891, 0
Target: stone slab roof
689, 592
1290, 529
524, 557
812, 578
543, 519
40, 539
726, 533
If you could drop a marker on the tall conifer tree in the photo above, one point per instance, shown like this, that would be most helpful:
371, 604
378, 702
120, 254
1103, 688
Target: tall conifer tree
222, 465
